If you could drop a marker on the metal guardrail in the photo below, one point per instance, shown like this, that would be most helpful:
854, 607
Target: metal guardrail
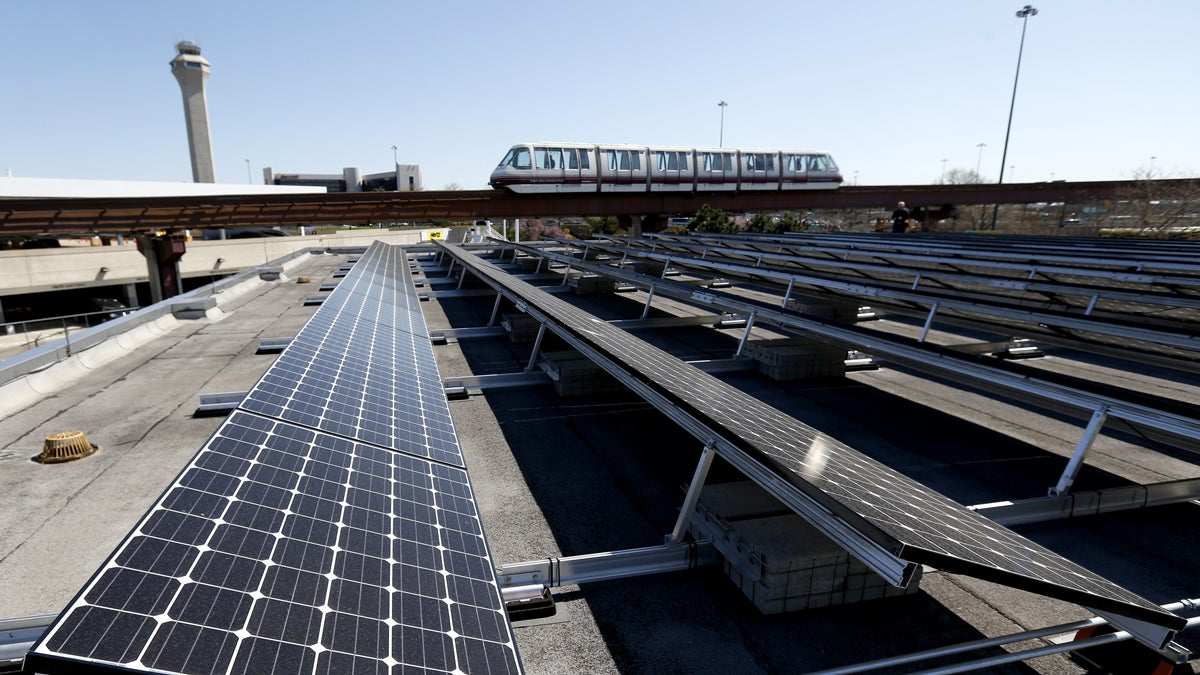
47, 354
48, 328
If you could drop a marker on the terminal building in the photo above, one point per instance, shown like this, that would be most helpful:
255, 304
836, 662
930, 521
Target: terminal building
405, 178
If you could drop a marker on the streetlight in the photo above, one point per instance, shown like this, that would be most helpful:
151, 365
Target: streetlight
1023, 14
721, 142
248, 178
979, 160
856, 176
394, 160
1150, 173
944, 160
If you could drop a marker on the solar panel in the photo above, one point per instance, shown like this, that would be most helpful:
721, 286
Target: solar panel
318, 533
902, 515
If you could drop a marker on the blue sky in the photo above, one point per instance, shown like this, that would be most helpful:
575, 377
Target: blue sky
889, 88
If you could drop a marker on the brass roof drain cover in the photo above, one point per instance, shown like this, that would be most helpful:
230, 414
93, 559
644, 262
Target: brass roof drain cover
66, 446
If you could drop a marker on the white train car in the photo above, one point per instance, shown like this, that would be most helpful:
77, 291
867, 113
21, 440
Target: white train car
576, 167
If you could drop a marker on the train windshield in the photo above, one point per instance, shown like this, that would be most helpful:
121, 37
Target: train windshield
518, 158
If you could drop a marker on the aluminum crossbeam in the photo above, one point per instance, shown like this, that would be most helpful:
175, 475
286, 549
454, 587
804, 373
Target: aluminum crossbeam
579, 569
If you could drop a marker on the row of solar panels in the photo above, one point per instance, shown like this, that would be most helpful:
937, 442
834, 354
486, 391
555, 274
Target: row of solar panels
1152, 318
886, 519
1166, 421
328, 526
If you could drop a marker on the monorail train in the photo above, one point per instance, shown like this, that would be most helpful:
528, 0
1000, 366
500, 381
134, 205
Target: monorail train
577, 167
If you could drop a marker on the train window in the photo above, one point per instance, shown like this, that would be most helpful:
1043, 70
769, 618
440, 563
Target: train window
759, 162
817, 163
621, 160
584, 162
571, 158
548, 158
671, 161
517, 158
718, 161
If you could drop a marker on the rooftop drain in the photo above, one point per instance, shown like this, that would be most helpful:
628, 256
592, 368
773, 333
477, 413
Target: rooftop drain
66, 446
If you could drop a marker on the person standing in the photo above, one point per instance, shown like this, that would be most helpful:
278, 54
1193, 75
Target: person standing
900, 218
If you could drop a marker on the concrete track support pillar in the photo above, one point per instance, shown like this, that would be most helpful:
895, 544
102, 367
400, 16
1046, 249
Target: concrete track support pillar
162, 263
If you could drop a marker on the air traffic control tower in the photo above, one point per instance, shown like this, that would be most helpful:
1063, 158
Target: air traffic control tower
191, 70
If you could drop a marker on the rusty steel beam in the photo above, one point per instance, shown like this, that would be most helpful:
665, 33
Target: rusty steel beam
127, 214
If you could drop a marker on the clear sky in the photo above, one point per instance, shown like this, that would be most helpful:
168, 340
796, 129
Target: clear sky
890, 88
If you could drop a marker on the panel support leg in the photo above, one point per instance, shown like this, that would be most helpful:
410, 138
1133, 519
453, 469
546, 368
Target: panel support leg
788, 296
537, 347
928, 322
693, 493
745, 334
495, 309
649, 298
1081, 451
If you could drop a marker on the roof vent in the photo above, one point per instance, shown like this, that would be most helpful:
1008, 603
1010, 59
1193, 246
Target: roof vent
66, 446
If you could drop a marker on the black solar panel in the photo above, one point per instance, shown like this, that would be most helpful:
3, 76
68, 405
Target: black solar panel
905, 517
282, 548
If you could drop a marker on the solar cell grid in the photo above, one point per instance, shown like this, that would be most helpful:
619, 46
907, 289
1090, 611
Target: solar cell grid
328, 527
296, 562
363, 368
911, 520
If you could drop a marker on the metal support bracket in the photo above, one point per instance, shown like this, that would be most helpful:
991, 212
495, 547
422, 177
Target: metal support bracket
218, 404
693, 493
1081, 451
578, 569
928, 322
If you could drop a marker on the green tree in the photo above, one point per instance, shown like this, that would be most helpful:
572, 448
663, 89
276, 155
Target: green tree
605, 225
708, 219
787, 223
760, 222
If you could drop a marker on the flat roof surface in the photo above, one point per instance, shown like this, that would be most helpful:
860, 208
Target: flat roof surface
565, 476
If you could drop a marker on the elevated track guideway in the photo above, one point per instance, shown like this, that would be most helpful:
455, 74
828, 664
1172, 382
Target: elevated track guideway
32, 216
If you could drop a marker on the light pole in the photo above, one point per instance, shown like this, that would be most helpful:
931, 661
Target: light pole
248, 178
1150, 173
979, 160
856, 176
394, 160
721, 142
944, 160
1023, 14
